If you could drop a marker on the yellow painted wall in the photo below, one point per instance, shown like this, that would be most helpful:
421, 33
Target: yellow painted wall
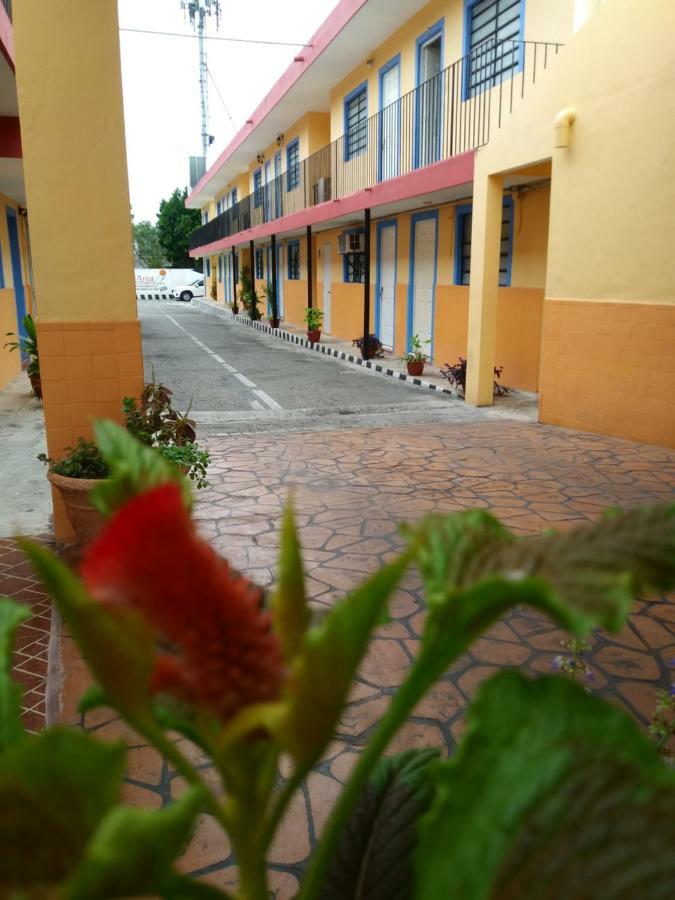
346, 299
312, 131
545, 20
10, 363
612, 218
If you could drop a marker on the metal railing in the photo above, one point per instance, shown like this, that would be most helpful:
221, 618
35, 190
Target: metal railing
8, 7
449, 114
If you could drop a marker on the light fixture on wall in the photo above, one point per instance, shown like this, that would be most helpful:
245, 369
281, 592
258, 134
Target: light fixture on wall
260, 158
280, 140
370, 62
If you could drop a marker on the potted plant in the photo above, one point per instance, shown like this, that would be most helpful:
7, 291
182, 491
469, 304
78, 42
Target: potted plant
456, 375
274, 308
248, 295
74, 477
314, 318
28, 345
371, 349
416, 357
153, 422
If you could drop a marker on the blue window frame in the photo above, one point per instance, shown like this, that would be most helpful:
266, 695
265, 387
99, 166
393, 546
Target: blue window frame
293, 257
257, 188
220, 269
354, 264
259, 264
356, 121
208, 267
293, 165
463, 223
233, 195
494, 31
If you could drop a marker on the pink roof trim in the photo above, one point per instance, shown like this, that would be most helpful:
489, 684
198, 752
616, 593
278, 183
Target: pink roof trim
326, 34
6, 37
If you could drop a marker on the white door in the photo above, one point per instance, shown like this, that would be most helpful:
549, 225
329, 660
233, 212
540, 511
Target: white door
228, 280
424, 276
387, 284
390, 123
280, 279
326, 278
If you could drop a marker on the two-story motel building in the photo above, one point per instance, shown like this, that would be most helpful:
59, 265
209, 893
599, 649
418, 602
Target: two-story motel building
494, 176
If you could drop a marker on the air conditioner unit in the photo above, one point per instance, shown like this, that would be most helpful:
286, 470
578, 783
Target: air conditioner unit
322, 191
352, 242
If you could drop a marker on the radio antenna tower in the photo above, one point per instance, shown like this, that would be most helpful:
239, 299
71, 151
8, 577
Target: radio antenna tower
199, 11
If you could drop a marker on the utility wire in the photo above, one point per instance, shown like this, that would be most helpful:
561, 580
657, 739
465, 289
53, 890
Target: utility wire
217, 37
220, 96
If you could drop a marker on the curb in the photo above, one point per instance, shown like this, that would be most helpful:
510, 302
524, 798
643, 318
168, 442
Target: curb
320, 348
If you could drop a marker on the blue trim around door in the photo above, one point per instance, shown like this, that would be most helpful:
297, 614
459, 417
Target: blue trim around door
414, 219
394, 62
460, 213
428, 35
17, 269
388, 223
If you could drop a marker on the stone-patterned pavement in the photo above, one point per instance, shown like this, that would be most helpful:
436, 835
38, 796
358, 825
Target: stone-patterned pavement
351, 489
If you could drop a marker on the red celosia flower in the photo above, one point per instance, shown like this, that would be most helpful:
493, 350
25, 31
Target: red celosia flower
223, 655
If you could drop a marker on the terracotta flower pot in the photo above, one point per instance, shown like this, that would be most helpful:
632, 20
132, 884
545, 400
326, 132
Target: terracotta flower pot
36, 384
415, 368
314, 336
275, 323
86, 520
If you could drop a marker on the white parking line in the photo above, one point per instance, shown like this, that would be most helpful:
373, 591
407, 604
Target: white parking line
266, 399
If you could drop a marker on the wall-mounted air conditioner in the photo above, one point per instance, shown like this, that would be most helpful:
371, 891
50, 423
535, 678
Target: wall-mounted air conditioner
322, 191
352, 242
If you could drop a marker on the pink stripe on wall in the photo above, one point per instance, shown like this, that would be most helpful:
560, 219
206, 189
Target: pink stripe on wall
6, 37
448, 173
326, 34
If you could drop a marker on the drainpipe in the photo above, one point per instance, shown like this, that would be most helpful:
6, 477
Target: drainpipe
562, 124
366, 287
310, 267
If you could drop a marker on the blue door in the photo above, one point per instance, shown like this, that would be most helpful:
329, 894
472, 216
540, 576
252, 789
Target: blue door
17, 271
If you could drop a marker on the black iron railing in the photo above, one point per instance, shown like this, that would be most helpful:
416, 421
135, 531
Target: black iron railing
449, 114
8, 6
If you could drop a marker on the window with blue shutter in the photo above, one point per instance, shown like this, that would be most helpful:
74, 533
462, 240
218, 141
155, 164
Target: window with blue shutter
257, 188
293, 253
356, 122
494, 35
293, 165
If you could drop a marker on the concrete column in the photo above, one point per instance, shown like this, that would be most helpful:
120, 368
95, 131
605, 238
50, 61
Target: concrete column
485, 245
70, 102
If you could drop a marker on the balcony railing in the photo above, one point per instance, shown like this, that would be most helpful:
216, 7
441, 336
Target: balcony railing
449, 114
8, 7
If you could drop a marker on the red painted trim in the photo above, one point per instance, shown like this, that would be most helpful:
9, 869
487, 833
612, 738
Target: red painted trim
326, 34
6, 37
10, 137
448, 173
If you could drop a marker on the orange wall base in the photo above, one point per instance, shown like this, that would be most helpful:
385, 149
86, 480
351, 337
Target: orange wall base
609, 368
10, 360
87, 368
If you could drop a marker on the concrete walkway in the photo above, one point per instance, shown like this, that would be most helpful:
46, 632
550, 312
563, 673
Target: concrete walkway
25, 504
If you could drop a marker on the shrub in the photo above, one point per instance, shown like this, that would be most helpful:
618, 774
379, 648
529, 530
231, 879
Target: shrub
373, 347
456, 375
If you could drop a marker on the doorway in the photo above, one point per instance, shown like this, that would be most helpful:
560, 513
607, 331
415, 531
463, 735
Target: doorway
424, 240
390, 119
429, 96
17, 269
280, 279
326, 281
386, 283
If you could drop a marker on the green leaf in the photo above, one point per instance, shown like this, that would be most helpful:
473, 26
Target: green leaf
553, 793
322, 672
117, 646
374, 859
134, 468
132, 852
290, 613
11, 727
54, 790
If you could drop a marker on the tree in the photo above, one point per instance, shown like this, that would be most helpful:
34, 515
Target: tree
175, 224
147, 248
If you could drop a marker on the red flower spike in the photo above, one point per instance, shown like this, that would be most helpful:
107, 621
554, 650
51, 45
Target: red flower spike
222, 655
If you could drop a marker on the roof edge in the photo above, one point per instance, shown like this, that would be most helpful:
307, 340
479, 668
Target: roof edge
320, 41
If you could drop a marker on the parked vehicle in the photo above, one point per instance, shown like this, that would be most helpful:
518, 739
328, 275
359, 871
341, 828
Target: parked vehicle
186, 292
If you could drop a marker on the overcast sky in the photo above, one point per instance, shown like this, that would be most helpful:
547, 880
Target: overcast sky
161, 89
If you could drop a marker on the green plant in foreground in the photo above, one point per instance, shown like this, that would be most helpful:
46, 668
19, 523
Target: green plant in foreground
416, 353
552, 791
